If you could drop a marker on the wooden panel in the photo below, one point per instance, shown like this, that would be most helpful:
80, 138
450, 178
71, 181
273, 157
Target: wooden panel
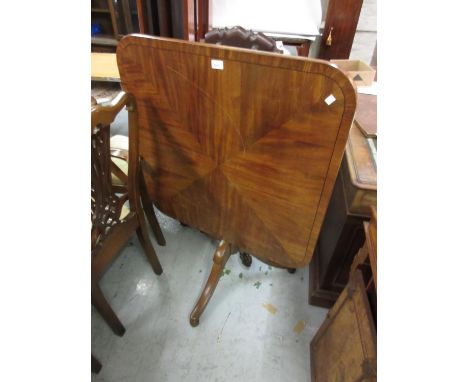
343, 17
249, 153
202, 7
366, 114
361, 174
189, 23
345, 347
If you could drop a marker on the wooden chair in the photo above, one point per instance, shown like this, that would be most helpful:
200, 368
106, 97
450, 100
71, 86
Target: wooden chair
113, 222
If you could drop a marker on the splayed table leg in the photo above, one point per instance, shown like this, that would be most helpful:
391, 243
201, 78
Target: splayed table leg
221, 256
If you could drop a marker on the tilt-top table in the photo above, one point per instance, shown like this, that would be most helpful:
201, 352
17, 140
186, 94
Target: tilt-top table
242, 145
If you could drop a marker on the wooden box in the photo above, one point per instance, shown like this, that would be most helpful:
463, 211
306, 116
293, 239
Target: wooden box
359, 72
345, 347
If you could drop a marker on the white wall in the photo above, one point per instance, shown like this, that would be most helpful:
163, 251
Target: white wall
292, 16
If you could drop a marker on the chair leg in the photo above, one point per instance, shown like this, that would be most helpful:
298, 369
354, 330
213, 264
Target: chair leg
221, 256
143, 237
142, 231
105, 310
95, 365
149, 211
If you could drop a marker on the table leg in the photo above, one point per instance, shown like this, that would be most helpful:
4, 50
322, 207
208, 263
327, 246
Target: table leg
221, 256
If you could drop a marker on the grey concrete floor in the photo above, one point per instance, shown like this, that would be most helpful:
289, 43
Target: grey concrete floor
240, 337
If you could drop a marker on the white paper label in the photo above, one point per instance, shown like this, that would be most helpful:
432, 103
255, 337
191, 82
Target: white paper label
217, 64
330, 99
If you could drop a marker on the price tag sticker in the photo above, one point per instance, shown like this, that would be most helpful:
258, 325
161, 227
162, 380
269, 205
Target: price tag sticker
217, 64
330, 99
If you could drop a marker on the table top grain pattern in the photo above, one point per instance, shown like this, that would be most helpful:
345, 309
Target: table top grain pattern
248, 153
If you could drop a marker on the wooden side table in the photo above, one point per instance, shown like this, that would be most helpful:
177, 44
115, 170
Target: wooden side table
342, 233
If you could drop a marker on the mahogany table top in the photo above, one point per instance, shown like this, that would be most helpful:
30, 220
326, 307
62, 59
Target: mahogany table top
243, 145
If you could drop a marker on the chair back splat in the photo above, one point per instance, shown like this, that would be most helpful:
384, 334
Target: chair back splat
106, 206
